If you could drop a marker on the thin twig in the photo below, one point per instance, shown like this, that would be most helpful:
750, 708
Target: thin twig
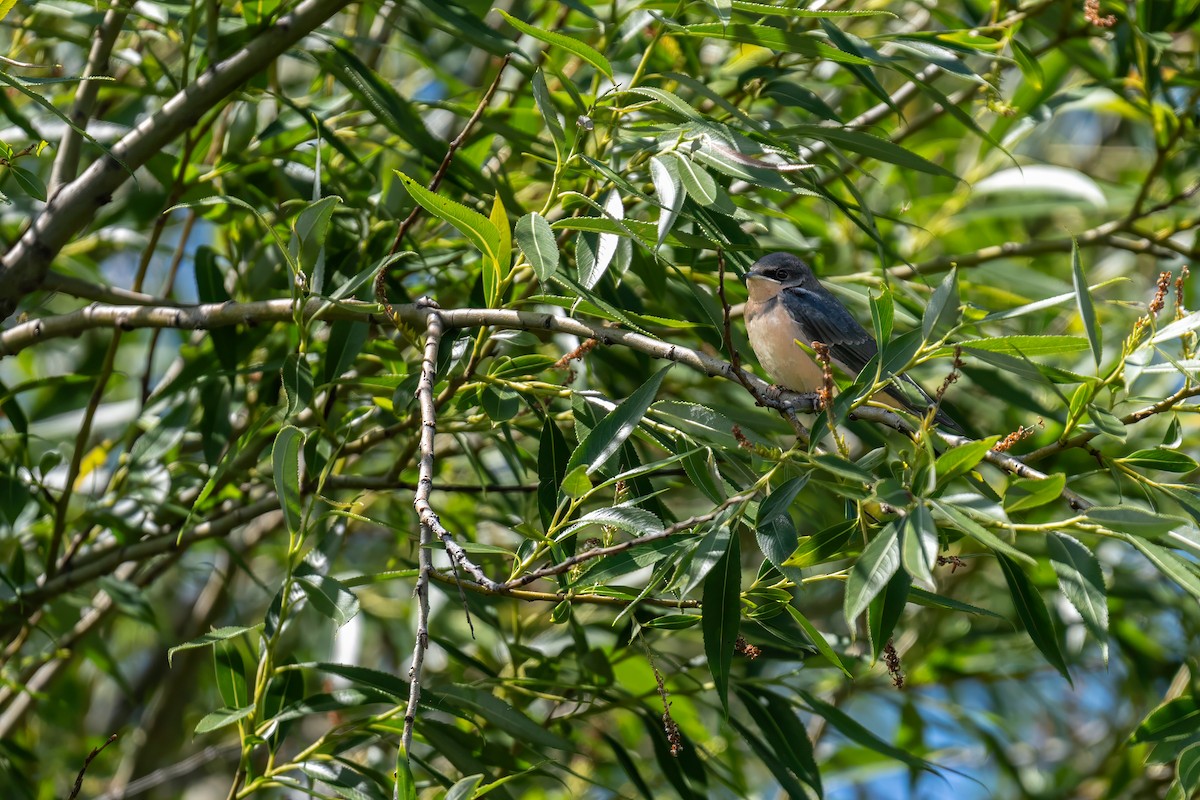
66, 162
558, 597
434, 183
599, 552
433, 339
86, 763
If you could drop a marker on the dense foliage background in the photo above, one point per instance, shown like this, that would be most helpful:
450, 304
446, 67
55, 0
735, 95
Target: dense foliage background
269, 527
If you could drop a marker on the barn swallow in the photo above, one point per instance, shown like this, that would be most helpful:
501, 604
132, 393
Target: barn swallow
788, 304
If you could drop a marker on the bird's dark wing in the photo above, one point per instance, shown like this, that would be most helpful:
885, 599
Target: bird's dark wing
824, 319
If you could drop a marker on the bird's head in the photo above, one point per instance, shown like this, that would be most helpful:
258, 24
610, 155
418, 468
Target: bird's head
777, 271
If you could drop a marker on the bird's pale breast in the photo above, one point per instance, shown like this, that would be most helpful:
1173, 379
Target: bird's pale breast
773, 334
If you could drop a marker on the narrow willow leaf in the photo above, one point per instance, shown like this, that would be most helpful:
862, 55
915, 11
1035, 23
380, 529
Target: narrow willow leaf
883, 310
504, 716
1171, 565
330, 597
818, 639
1027, 345
493, 277
885, 610
1033, 614
858, 733
631, 519
607, 437
825, 545
1106, 421
536, 241
222, 717
211, 638
1161, 459
571, 45
1083, 300
873, 146
346, 340
553, 455
699, 184
1173, 719
920, 546
285, 461
1177, 328
478, 229
958, 461
1082, 583
784, 732
298, 386
606, 245
943, 311
1026, 493
545, 104
985, 537
720, 615
1027, 61
766, 9
872, 571
669, 100
670, 193
1132, 520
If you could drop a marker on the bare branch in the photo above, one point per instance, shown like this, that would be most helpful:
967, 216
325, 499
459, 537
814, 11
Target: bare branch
66, 162
24, 266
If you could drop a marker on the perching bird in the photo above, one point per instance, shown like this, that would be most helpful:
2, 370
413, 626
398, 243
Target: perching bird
787, 303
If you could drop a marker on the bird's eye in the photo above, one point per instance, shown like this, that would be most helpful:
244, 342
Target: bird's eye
779, 274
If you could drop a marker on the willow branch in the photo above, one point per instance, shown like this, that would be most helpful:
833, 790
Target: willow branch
24, 266
66, 163
599, 552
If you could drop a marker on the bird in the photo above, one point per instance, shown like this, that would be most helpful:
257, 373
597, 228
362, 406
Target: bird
788, 304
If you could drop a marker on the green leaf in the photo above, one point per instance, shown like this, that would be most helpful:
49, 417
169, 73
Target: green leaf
873, 569
1028, 63
545, 104
553, 455
285, 461
478, 229
610, 433
1187, 770
1032, 612
1082, 583
872, 146
211, 638
1083, 300
721, 612
819, 641
330, 597
944, 309
298, 385
506, 717
920, 545
591, 270
1032, 345
1133, 520
883, 310
765, 9
536, 241
1026, 493
1175, 719
856, 732
631, 519
222, 717
822, 546
669, 189
494, 273
673, 622
783, 732
29, 182
958, 461
346, 340
1106, 421
309, 230
1162, 459
885, 610
699, 185
1177, 328
770, 37
571, 45
984, 536
1171, 565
